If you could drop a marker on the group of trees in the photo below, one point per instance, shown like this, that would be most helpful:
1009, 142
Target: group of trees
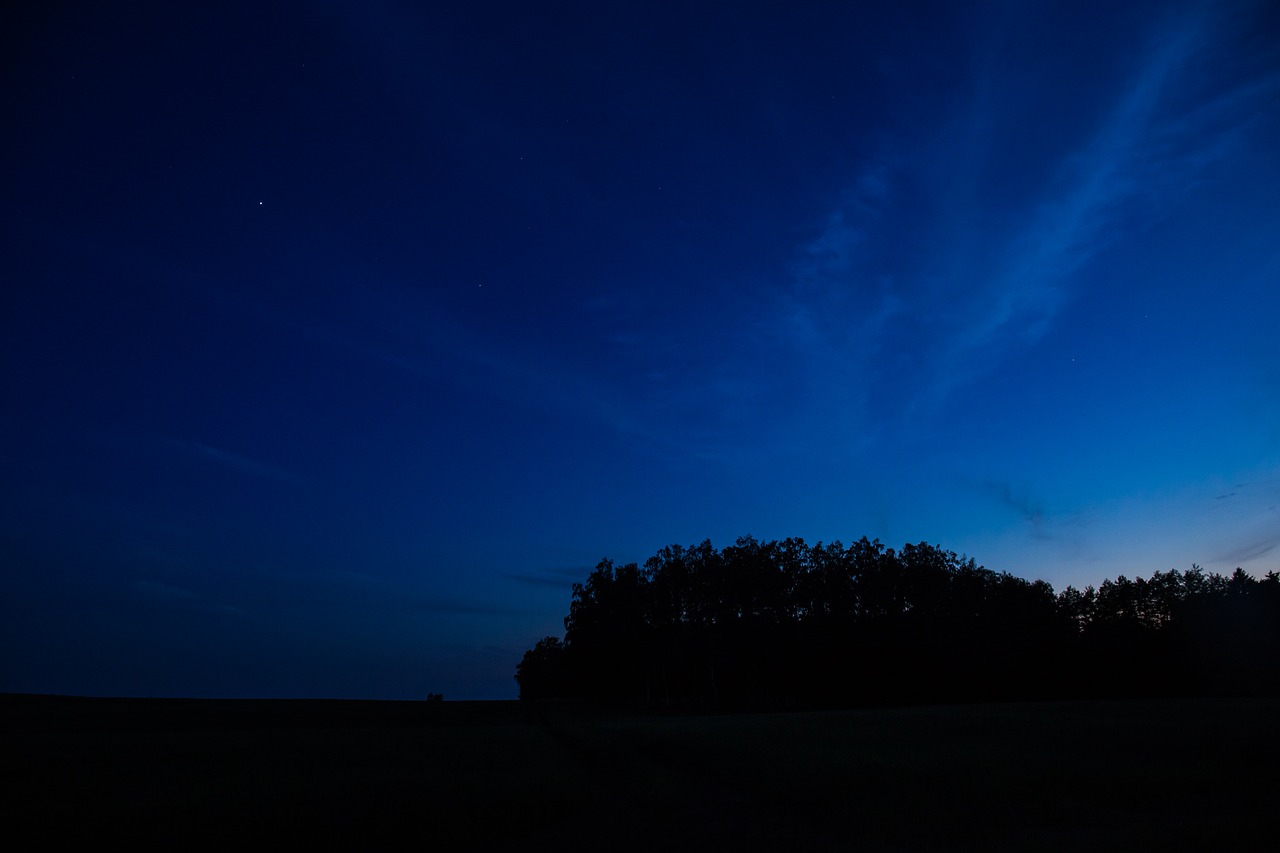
775, 624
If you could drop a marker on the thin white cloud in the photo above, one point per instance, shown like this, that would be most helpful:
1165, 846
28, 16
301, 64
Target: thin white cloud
1033, 280
1145, 154
230, 459
159, 590
832, 315
430, 342
835, 316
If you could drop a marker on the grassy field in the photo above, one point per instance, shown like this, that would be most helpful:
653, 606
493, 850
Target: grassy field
1183, 774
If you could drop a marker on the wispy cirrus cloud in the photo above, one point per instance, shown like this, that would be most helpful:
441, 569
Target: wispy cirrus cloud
1075, 217
1250, 551
967, 281
165, 591
1016, 498
1164, 126
230, 459
398, 329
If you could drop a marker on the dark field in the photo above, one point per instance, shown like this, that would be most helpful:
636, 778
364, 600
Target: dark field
1193, 774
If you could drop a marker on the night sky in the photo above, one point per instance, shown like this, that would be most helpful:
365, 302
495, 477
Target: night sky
339, 340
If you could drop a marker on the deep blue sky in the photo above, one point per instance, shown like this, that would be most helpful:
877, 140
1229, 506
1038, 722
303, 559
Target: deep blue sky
340, 339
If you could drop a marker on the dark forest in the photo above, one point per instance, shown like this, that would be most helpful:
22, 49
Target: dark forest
784, 624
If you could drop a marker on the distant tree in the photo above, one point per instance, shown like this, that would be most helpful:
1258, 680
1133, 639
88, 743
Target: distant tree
541, 673
768, 623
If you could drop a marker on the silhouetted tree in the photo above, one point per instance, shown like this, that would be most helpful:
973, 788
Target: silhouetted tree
769, 623
541, 673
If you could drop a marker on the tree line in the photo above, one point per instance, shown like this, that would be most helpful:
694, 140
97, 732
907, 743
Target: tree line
786, 624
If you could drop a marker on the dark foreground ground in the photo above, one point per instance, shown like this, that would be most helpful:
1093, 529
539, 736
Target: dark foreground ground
1184, 774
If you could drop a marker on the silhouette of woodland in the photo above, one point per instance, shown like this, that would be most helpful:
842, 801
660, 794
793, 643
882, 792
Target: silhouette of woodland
785, 624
